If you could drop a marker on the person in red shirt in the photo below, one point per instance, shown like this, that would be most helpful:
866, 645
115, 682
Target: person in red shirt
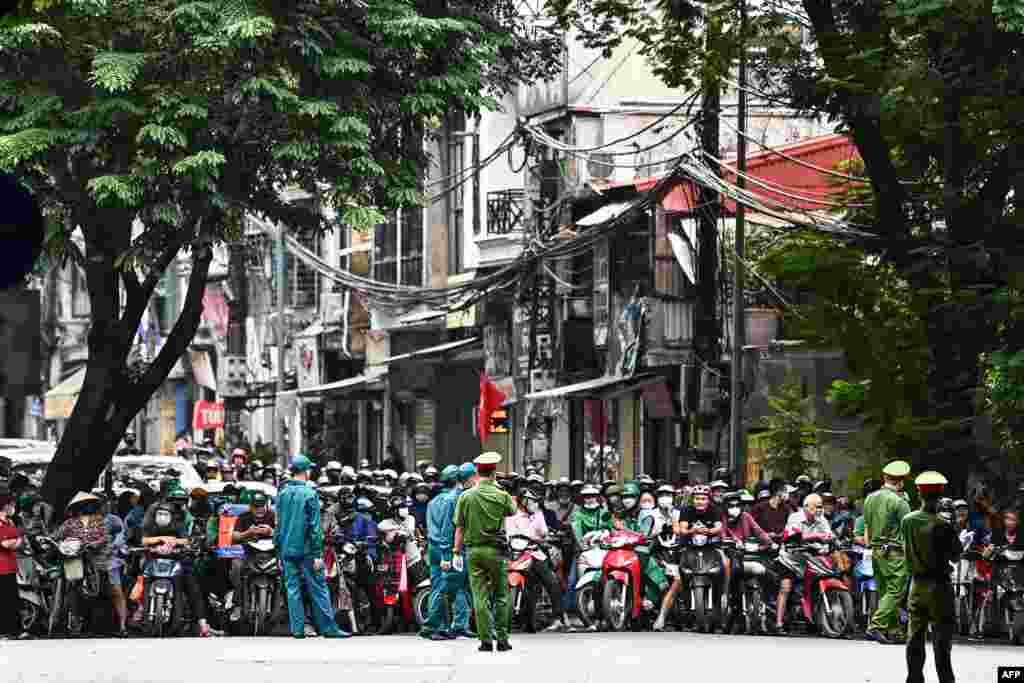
10, 541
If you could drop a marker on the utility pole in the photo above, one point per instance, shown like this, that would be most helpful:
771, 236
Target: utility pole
736, 402
236, 342
282, 272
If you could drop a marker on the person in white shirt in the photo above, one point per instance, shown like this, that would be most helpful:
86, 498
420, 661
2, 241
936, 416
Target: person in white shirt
812, 526
529, 521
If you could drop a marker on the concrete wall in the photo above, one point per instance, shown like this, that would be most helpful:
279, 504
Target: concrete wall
456, 391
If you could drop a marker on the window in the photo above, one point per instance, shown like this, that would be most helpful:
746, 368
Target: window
398, 248
79, 293
455, 200
301, 280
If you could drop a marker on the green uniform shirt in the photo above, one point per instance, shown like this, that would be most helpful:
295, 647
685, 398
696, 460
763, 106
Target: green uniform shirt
930, 543
481, 512
858, 526
883, 511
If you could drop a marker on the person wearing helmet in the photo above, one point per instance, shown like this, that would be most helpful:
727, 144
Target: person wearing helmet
930, 546
299, 538
333, 472
529, 521
883, 511
563, 504
400, 510
738, 526
722, 474
431, 475
347, 476
421, 495
647, 483
747, 501
364, 477
587, 517
169, 524
393, 461
254, 524
718, 489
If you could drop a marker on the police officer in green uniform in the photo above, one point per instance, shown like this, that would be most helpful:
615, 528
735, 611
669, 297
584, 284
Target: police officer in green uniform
930, 543
479, 525
883, 511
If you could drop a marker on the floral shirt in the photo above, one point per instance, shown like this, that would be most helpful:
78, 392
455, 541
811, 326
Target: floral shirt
95, 536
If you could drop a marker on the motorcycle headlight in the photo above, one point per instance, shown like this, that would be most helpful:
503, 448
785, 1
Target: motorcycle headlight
70, 547
699, 540
348, 549
519, 544
162, 518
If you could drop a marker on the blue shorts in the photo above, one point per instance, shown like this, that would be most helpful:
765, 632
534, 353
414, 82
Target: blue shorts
115, 576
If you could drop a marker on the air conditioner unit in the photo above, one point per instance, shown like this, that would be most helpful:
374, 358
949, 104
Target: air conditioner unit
600, 166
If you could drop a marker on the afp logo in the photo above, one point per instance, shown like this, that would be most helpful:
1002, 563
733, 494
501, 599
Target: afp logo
1010, 673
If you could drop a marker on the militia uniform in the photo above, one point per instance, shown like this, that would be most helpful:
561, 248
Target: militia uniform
480, 515
930, 544
883, 511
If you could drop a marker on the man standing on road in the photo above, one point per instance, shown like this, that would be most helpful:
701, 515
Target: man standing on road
479, 524
440, 537
300, 542
883, 511
930, 544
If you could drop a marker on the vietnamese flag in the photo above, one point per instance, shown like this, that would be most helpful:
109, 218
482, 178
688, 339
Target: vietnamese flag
491, 399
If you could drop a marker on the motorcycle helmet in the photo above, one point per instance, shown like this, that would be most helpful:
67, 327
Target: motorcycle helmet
414, 477
530, 500
449, 474
746, 499
947, 510
563, 492
666, 496
323, 480
390, 476
803, 482
388, 526
430, 474
346, 497
364, 505
722, 473
421, 492
364, 477
703, 492
534, 480
378, 477
960, 503
333, 466
646, 483
765, 494
591, 496
613, 495
576, 485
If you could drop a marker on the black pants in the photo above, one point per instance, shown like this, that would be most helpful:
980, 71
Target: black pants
542, 572
190, 583
10, 617
930, 602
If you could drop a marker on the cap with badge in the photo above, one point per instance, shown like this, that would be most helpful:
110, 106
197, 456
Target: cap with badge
487, 462
930, 482
897, 469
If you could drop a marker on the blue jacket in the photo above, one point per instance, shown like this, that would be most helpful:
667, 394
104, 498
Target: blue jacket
419, 511
361, 528
298, 534
551, 519
441, 521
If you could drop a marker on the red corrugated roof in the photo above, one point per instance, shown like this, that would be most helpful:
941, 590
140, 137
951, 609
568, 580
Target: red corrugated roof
824, 151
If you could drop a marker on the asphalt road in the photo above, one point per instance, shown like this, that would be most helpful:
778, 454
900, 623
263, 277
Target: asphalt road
569, 658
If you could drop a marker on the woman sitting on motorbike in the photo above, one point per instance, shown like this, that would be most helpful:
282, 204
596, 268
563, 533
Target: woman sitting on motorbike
529, 521
168, 525
86, 523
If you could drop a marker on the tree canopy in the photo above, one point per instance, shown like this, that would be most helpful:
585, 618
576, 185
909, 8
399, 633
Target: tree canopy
180, 117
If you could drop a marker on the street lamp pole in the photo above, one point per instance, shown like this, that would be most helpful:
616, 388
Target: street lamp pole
279, 415
738, 336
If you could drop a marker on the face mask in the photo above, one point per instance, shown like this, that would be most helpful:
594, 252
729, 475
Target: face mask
665, 502
734, 511
403, 512
162, 518
647, 506
564, 500
421, 497
532, 506
629, 503
717, 499
591, 504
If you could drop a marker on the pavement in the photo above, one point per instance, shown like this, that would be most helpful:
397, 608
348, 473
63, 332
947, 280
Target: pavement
568, 658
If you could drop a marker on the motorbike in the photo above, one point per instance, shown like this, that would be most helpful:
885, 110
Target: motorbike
165, 610
38, 572
700, 564
589, 566
666, 553
78, 580
531, 605
966, 586
1008, 584
394, 599
622, 580
823, 598
354, 609
750, 560
864, 586
262, 596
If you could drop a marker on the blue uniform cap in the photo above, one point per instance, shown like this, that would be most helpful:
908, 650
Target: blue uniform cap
449, 473
466, 470
301, 463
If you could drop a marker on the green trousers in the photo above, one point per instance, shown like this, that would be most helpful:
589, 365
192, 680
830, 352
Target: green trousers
891, 579
930, 602
488, 579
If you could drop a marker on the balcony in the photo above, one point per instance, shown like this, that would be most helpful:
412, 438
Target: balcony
502, 239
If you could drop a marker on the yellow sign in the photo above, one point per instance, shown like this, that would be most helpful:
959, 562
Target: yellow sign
462, 318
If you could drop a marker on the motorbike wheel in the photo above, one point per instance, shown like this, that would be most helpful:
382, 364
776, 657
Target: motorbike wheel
57, 610
703, 608
754, 616
155, 623
362, 607
30, 616
616, 605
515, 605
586, 604
963, 615
421, 606
835, 613
387, 621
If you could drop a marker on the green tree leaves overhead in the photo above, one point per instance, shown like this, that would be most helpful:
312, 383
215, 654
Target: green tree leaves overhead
789, 435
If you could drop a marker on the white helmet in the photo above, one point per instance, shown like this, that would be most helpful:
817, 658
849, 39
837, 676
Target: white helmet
333, 466
389, 474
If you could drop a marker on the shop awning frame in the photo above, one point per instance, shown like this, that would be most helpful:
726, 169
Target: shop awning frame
601, 388
434, 350
345, 385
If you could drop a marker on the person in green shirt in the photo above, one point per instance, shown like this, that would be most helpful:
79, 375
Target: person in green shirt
930, 544
629, 518
479, 525
883, 511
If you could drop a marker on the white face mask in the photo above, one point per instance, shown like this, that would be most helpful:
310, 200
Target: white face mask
403, 512
532, 506
734, 511
162, 518
646, 506
629, 503
422, 497
591, 504
564, 500
665, 502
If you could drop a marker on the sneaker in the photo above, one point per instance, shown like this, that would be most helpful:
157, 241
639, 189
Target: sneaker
877, 636
464, 633
659, 624
555, 627
338, 634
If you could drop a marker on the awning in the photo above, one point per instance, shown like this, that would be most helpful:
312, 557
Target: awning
202, 369
602, 387
345, 385
60, 400
433, 350
608, 212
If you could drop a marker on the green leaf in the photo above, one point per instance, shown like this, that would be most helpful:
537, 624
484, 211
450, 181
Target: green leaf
350, 125
116, 190
23, 145
116, 71
346, 66
318, 108
164, 136
204, 162
250, 28
362, 217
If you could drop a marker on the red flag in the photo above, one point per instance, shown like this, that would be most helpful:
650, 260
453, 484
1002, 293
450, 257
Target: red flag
491, 399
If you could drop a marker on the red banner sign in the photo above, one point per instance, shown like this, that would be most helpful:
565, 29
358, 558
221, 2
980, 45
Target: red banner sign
208, 415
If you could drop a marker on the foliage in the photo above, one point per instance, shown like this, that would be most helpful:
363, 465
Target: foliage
789, 433
152, 127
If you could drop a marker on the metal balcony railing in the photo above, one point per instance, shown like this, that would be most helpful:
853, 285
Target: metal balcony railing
505, 211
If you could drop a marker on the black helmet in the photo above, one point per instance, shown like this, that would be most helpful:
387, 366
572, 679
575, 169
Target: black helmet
422, 487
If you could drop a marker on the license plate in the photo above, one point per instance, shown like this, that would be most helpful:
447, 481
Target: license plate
74, 569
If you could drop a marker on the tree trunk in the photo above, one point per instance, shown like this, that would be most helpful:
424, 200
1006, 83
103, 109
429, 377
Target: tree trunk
110, 398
